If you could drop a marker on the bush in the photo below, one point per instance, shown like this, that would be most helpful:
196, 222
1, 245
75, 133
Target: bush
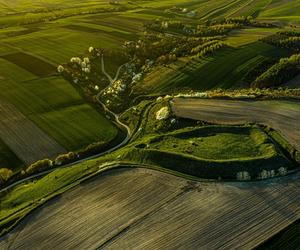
65, 158
92, 149
243, 176
5, 174
38, 166
283, 71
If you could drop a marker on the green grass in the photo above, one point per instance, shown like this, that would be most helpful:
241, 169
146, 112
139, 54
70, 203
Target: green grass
11, 72
15, 204
218, 144
215, 152
55, 106
30, 63
242, 37
223, 70
76, 126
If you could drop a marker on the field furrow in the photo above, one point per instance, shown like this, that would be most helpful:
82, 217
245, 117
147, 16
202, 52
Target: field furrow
23, 137
283, 116
146, 209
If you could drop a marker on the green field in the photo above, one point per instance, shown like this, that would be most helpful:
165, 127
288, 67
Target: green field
218, 144
56, 107
224, 70
36, 36
211, 152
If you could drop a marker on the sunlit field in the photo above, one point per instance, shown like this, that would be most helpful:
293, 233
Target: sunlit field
151, 124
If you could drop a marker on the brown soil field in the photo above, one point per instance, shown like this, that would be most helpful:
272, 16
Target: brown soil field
282, 115
24, 138
146, 209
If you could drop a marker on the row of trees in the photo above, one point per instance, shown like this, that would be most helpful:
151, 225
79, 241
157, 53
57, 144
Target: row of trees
287, 39
281, 72
216, 30
7, 175
203, 46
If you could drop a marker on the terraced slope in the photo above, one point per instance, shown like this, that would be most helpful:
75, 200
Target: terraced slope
283, 116
145, 209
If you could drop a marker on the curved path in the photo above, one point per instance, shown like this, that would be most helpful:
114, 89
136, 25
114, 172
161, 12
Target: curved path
282, 115
146, 209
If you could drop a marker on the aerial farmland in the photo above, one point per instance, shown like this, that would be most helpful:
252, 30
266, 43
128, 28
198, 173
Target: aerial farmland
149, 124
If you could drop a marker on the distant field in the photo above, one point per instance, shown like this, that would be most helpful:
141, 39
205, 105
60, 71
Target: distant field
280, 115
56, 108
25, 139
223, 70
54, 105
245, 36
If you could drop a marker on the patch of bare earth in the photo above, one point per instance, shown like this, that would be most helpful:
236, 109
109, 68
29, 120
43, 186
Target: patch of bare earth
24, 138
284, 116
145, 209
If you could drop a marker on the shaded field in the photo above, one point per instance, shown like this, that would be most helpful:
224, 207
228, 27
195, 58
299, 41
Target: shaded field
283, 116
145, 209
7, 158
30, 63
57, 108
24, 138
289, 238
223, 70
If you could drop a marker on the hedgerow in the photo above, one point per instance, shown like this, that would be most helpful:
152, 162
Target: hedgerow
283, 71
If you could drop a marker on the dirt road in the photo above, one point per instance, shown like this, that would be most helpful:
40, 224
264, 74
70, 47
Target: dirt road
145, 209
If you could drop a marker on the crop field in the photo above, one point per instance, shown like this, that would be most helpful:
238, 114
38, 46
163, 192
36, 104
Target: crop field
59, 110
149, 207
56, 109
224, 70
97, 79
26, 140
280, 115
242, 37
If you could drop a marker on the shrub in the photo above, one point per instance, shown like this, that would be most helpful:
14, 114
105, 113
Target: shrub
282, 171
283, 71
264, 174
92, 149
65, 158
38, 166
162, 114
243, 176
5, 174
60, 69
